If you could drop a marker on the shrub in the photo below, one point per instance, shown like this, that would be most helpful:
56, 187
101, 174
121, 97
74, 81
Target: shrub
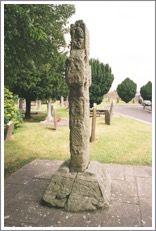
146, 91
9, 106
102, 79
127, 90
10, 112
18, 118
140, 101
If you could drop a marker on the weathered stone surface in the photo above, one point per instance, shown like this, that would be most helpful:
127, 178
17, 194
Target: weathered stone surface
9, 130
60, 186
79, 185
78, 78
22, 207
88, 190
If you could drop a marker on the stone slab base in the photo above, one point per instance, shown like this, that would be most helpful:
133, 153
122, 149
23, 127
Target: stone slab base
84, 191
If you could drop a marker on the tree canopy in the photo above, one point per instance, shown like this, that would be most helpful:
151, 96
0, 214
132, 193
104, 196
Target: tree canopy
34, 49
127, 90
102, 79
146, 91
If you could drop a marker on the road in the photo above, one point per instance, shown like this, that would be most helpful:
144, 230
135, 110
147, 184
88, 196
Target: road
135, 112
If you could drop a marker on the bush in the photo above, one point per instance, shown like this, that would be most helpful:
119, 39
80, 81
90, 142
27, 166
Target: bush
140, 101
10, 112
18, 118
102, 79
146, 91
9, 106
127, 90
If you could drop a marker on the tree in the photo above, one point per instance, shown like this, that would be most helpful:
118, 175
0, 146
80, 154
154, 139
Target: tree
102, 79
34, 49
146, 91
127, 90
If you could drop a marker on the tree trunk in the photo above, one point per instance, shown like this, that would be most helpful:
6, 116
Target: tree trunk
28, 108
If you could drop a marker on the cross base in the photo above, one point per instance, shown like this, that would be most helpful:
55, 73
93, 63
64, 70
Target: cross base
83, 191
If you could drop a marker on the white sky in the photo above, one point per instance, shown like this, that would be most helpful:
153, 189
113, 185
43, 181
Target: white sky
122, 34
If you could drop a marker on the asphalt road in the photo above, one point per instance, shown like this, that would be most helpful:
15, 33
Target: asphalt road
135, 112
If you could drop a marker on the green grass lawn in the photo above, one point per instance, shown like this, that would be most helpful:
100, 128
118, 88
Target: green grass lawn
125, 141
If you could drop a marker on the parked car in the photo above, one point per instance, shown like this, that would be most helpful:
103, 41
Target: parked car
147, 103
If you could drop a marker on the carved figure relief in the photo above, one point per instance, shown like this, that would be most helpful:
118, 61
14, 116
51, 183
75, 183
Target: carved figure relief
75, 70
77, 107
77, 35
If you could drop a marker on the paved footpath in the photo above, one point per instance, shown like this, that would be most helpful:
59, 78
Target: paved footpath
130, 205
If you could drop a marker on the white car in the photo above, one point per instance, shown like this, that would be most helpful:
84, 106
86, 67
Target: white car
147, 103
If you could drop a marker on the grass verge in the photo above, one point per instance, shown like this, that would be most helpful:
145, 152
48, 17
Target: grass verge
125, 141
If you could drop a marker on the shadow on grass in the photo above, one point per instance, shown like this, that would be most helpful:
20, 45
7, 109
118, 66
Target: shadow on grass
36, 117
50, 128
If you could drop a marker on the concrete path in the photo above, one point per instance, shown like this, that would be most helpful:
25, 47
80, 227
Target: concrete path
130, 205
135, 112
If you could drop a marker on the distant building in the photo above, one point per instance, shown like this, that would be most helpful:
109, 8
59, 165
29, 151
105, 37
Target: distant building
112, 94
137, 96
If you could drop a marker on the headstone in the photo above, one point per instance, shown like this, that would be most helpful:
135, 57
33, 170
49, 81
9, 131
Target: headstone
49, 117
67, 103
107, 117
54, 116
39, 103
79, 184
20, 103
92, 138
111, 108
62, 101
9, 130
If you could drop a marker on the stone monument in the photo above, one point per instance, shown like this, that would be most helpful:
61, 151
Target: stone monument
79, 184
78, 77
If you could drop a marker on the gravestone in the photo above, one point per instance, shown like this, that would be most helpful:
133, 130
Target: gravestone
67, 103
55, 119
79, 184
49, 117
109, 113
20, 103
107, 117
92, 138
62, 101
9, 129
112, 108
39, 103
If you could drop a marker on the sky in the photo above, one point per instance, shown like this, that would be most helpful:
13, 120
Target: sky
122, 34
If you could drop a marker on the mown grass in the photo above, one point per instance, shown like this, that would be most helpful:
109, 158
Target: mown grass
125, 141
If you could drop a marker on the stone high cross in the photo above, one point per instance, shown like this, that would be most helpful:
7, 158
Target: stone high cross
78, 78
79, 184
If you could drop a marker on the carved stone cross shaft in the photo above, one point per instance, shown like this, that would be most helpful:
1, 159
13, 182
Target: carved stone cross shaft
78, 78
